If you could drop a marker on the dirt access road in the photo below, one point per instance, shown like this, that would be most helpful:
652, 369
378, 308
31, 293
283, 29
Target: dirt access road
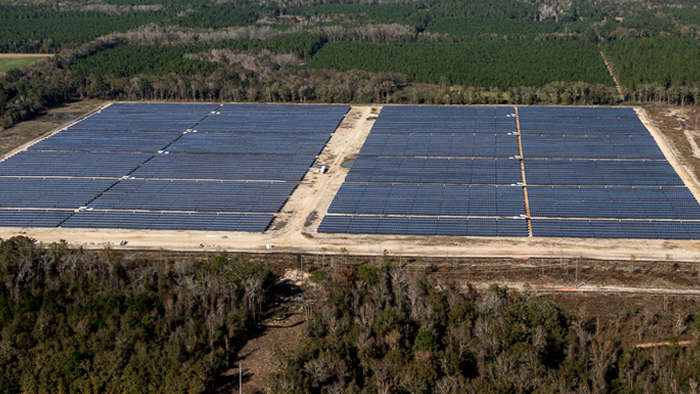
294, 229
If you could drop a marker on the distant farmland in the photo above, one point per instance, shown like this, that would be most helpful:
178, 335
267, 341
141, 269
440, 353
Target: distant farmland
8, 61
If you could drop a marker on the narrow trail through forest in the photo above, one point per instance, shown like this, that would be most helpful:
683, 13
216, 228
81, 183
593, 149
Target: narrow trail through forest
613, 75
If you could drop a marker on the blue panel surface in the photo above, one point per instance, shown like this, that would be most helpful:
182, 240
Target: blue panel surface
446, 119
146, 117
107, 141
435, 170
616, 146
33, 217
206, 196
441, 144
613, 202
600, 172
303, 144
50, 192
287, 119
437, 200
227, 167
491, 227
81, 164
623, 229
169, 221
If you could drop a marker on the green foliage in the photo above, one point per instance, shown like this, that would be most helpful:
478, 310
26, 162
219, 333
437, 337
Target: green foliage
318, 276
478, 26
518, 343
220, 16
685, 15
476, 63
502, 9
367, 274
316, 327
375, 13
172, 6
148, 327
126, 61
426, 341
42, 29
130, 60
666, 60
647, 21
7, 64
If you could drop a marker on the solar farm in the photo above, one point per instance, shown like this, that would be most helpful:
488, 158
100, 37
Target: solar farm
396, 173
167, 167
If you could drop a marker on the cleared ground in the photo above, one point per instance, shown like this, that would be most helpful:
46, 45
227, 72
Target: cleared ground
294, 231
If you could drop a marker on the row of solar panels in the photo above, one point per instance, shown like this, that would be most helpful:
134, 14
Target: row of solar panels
495, 227
487, 227
161, 195
507, 171
196, 196
459, 200
437, 200
626, 229
148, 165
134, 220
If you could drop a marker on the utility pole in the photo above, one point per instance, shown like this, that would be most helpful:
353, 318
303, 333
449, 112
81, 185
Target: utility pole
577, 271
240, 379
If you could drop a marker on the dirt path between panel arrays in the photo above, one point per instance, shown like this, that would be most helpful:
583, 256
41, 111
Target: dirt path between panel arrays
290, 233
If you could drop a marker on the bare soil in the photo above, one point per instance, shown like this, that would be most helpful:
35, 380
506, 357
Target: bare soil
255, 357
23, 55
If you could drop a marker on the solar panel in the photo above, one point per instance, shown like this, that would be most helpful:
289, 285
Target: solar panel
437, 200
72, 164
107, 141
226, 167
193, 161
622, 229
596, 146
33, 217
601, 172
397, 225
613, 202
169, 221
50, 192
206, 196
435, 170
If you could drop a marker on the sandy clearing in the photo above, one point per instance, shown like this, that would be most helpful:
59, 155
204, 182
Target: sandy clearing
24, 55
691, 136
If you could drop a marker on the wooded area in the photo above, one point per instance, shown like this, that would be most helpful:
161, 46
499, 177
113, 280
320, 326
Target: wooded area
76, 321
390, 330
427, 51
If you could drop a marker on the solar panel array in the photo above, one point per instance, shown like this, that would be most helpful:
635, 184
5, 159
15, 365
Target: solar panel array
434, 171
169, 221
167, 166
590, 172
618, 172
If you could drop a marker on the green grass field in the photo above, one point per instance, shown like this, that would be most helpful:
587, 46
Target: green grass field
8, 63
